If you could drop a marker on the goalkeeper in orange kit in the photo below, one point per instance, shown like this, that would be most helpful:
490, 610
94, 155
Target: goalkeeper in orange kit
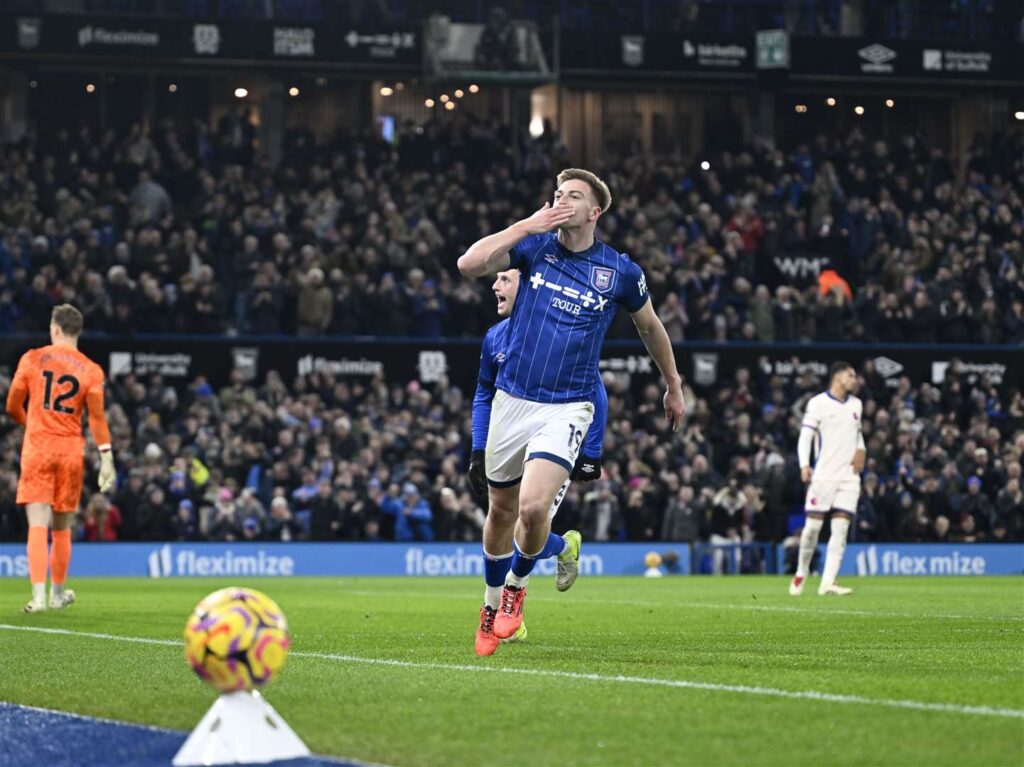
52, 387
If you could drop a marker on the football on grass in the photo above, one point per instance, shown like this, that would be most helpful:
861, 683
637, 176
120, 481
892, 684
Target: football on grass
236, 639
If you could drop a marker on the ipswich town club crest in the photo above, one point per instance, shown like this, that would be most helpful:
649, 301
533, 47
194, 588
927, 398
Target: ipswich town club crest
601, 279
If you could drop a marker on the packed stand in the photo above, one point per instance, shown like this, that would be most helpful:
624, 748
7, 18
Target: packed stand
194, 232
330, 459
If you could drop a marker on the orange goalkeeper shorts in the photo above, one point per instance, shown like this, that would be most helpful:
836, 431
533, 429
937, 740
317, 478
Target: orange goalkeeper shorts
53, 478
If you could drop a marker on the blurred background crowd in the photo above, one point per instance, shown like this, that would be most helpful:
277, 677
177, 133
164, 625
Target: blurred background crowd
194, 232
186, 227
324, 458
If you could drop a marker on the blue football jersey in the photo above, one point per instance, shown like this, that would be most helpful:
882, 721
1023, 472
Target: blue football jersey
566, 303
492, 357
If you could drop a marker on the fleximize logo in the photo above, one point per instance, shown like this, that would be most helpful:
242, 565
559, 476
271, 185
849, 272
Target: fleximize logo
894, 562
167, 562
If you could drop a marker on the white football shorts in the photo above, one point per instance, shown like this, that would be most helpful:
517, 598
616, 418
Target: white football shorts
833, 495
521, 430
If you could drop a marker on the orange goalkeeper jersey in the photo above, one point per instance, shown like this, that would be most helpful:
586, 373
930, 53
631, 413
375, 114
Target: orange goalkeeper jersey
52, 387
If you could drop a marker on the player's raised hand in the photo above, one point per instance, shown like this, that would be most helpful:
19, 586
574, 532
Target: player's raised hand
108, 475
675, 406
548, 219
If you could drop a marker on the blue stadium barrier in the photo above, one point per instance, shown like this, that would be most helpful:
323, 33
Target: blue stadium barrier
166, 560
733, 559
928, 558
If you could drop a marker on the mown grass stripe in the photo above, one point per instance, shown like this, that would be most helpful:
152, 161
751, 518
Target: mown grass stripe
816, 695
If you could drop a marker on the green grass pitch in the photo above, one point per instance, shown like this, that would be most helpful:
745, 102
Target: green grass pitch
618, 671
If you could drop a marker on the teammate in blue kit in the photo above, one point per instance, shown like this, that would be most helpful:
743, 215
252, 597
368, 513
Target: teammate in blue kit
573, 285
500, 522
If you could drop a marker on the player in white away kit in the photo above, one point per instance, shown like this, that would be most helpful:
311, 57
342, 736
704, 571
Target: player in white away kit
572, 285
832, 423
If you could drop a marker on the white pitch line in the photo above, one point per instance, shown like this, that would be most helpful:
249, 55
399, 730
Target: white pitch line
90, 635
709, 606
771, 692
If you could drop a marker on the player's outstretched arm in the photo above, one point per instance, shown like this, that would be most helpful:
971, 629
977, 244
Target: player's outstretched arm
653, 334
490, 254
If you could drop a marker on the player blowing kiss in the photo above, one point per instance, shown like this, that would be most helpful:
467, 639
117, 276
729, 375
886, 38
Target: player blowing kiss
571, 286
832, 423
52, 387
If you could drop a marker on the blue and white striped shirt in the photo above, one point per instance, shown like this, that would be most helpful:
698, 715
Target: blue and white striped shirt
492, 356
566, 303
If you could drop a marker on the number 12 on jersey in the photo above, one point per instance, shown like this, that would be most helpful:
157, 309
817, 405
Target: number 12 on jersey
58, 403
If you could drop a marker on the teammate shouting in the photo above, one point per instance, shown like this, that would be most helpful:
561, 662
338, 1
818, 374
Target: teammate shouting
500, 522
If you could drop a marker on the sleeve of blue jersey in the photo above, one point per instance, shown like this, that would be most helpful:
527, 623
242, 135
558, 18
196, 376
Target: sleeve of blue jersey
521, 254
633, 289
484, 393
594, 444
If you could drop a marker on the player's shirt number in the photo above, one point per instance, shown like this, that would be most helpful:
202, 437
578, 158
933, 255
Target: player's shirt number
57, 403
575, 437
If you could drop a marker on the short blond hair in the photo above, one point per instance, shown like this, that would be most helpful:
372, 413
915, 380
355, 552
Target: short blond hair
597, 186
68, 319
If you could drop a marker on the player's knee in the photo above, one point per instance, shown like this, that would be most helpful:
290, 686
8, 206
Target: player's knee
502, 516
533, 512
502, 509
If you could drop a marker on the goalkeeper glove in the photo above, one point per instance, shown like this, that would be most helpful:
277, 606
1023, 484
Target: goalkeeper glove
477, 476
108, 474
586, 469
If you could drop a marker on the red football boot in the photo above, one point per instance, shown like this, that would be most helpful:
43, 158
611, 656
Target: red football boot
510, 613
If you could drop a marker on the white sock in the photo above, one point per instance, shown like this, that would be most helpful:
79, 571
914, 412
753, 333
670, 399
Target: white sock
38, 592
492, 596
836, 549
514, 580
56, 590
808, 543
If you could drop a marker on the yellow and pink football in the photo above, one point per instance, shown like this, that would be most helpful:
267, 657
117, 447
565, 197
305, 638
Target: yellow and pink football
236, 639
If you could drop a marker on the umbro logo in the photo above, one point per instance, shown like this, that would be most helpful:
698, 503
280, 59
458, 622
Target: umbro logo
551, 258
887, 368
877, 54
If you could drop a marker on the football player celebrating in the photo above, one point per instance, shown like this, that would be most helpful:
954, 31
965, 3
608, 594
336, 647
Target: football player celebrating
500, 522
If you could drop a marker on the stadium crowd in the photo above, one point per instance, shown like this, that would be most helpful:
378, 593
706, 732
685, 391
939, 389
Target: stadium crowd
194, 232
330, 458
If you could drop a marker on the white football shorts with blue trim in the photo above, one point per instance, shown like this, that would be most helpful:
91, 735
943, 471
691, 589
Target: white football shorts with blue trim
521, 430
